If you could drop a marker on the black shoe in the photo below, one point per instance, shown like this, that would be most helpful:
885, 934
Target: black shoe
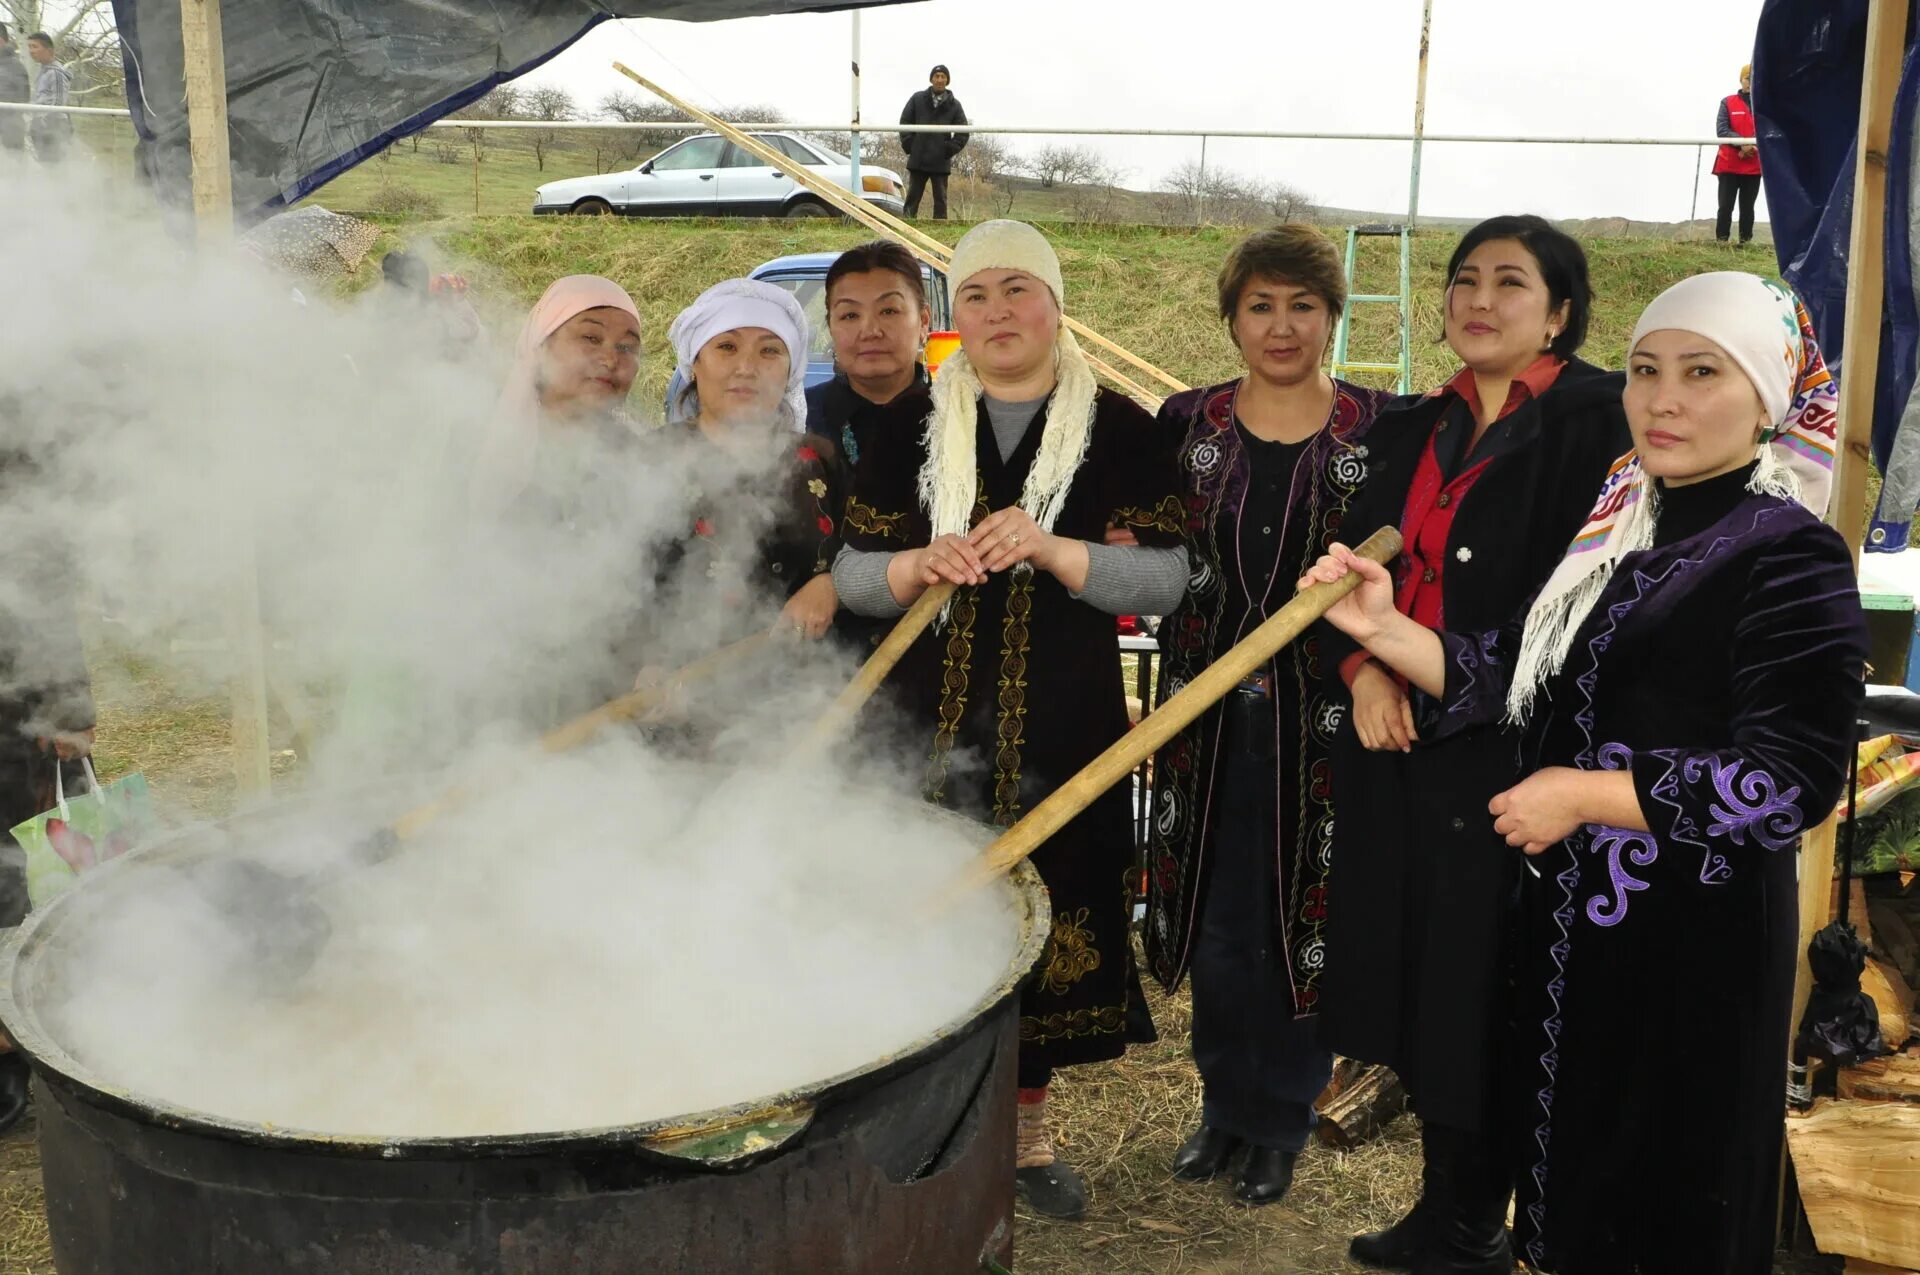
1265, 1176
14, 1074
1400, 1246
1205, 1155
1053, 1190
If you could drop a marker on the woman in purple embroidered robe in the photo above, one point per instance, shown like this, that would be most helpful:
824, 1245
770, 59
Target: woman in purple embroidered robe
1687, 682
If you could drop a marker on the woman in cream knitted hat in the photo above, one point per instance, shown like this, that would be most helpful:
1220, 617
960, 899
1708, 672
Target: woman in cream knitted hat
1004, 481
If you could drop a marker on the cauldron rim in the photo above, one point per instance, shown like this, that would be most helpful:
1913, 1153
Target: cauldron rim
61, 1070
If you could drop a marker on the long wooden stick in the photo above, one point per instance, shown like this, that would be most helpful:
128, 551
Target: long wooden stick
840, 714
1161, 725
923, 246
585, 727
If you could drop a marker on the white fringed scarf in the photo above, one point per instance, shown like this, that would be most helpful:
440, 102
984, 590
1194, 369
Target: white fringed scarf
949, 477
1763, 327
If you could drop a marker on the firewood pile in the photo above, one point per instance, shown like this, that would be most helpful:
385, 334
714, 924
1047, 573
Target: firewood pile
1857, 1155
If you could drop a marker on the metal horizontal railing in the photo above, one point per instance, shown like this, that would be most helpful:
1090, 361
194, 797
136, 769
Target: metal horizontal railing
1031, 130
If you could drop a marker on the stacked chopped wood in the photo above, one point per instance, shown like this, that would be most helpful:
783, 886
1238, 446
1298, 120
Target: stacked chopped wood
1358, 1102
1857, 1156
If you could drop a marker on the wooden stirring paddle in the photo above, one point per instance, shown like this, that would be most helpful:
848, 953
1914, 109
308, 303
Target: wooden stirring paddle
1161, 725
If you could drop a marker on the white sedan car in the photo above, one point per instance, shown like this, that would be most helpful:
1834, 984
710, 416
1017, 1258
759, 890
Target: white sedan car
708, 176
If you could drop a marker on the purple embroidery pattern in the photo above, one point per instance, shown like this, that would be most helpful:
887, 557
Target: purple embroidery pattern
1471, 653
1640, 848
1750, 803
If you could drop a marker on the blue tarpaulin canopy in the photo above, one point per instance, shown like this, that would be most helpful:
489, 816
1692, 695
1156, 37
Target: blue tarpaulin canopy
1808, 62
316, 86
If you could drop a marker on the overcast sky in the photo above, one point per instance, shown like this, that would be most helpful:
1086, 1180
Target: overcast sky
1633, 68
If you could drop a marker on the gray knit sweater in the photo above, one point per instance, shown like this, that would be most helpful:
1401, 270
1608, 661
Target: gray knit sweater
1120, 580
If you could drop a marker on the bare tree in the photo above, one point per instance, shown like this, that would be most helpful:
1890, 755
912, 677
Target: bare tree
84, 38
986, 157
1220, 196
1059, 164
548, 104
1096, 196
1287, 203
502, 102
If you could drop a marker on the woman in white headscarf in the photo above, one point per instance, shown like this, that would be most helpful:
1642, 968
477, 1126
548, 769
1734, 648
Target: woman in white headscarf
767, 500
1005, 484
1684, 689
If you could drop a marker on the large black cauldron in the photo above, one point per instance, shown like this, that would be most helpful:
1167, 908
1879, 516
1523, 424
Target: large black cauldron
903, 1166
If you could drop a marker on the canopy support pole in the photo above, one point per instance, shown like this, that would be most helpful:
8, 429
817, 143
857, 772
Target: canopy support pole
206, 82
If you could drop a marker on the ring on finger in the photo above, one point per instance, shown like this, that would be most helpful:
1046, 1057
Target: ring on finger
1013, 537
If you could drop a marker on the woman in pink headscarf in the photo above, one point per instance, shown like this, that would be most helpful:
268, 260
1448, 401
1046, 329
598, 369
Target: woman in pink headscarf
573, 364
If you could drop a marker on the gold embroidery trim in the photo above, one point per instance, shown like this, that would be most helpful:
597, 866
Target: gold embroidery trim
865, 518
1166, 516
957, 672
1038, 1029
1012, 726
1071, 955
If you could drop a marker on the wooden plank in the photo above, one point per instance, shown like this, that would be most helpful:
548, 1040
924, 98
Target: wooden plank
1895, 1078
1892, 998
1857, 1266
1866, 257
1858, 1165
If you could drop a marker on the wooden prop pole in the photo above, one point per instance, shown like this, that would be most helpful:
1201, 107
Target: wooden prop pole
205, 69
581, 729
1161, 725
923, 246
840, 714
1866, 255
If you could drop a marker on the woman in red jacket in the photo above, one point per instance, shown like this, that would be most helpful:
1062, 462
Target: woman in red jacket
1737, 166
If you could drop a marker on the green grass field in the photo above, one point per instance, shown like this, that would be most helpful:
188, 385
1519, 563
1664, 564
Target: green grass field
1150, 288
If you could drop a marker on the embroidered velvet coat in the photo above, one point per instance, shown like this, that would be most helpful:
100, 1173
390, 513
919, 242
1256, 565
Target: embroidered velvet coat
1420, 884
758, 533
1022, 687
1722, 670
1216, 613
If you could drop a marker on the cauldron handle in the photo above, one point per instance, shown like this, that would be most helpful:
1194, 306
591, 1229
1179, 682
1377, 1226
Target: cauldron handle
1161, 725
735, 1142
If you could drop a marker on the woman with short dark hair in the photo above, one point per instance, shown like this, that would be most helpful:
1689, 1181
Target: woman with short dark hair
1487, 478
1237, 874
878, 317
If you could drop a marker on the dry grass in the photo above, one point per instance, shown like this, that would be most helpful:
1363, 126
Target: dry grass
1120, 1124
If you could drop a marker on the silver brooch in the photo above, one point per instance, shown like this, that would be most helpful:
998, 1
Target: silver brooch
1361, 451
1463, 553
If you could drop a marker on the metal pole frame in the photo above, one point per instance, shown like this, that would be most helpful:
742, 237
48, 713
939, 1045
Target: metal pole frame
1419, 117
854, 151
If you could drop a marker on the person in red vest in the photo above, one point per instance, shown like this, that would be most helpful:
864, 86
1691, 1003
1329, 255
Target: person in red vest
1737, 166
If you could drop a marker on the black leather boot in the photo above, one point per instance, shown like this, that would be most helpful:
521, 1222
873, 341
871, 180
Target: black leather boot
1469, 1213
1205, 1155
1265, 1175
1400, 1246
14, 1074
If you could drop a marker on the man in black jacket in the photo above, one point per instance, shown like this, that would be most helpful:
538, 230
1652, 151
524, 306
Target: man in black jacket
930, 155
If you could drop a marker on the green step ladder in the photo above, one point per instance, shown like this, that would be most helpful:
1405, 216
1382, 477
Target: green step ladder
1401, 301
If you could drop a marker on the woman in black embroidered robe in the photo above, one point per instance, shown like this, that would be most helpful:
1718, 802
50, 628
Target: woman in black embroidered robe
1687, 681
1487, 477
1007, 492
1243, 810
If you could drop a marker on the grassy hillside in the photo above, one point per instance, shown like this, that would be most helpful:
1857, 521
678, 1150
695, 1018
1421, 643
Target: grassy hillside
1149, 288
